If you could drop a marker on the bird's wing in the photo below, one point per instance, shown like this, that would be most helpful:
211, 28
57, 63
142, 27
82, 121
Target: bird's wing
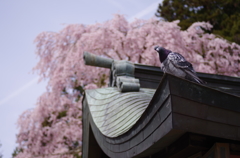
180, 62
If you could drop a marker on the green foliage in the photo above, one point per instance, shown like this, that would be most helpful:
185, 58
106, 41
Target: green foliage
47, 123
62, 114
224, 15
102, 80
16, 151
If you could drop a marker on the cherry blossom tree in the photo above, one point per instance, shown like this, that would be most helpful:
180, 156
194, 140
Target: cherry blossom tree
54, 127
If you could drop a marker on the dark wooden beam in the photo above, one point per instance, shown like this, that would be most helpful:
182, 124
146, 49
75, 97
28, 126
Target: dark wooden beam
150, 77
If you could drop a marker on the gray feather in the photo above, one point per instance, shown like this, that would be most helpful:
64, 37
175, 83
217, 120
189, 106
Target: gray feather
177, 65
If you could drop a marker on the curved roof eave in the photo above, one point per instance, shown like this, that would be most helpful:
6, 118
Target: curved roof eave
178, 106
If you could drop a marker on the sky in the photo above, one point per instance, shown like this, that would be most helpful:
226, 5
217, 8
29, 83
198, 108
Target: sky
21, 22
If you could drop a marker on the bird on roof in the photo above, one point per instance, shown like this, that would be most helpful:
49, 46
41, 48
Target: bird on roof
175, 64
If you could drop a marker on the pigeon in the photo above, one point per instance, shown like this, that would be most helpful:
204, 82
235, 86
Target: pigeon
175, 64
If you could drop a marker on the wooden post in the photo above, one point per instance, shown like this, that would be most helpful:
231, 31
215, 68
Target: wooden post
219, 150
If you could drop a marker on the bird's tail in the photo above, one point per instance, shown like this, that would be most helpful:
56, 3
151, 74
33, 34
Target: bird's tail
200, 81
194, 78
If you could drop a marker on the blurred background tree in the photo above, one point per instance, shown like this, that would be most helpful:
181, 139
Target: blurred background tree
224, 15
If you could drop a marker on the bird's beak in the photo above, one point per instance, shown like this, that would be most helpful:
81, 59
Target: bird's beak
156, 48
